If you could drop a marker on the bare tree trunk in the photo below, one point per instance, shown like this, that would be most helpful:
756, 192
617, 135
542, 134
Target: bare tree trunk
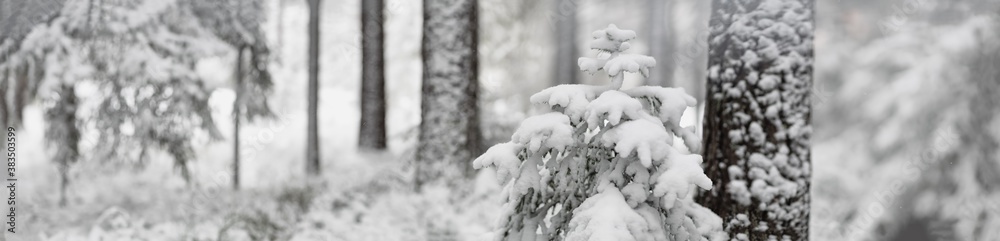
20, 94
371, 136
281, 31
62, 133
662, 40
449, 129
757, 121
237, 113
4, 114
312, 142
567, 52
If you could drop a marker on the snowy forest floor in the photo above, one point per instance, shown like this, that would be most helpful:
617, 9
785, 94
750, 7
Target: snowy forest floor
359, 196
367, 199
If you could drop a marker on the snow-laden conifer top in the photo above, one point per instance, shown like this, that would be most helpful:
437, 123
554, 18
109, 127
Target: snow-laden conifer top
603, 164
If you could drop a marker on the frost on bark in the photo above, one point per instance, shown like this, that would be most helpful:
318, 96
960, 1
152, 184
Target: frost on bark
757, 121
449, 129
372, 133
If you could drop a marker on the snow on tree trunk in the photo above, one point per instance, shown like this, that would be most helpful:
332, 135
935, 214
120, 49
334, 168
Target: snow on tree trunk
312, 136
566, 25
372, 133
449, 128
603, 165
63, 134
757, 123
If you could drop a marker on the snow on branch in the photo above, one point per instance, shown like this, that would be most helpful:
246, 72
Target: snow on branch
610, 43
603, 164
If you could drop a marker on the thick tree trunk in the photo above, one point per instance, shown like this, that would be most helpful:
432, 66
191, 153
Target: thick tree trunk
661, 42
567, 52
312, 139
757, 121
449, 129
371, 136
237, 106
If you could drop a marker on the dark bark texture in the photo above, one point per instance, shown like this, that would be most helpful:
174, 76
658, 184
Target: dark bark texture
237, 113
449, 129
757, 119
312, 139
371, 136
63, 134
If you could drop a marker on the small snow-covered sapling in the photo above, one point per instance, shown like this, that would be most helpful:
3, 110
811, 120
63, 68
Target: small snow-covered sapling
603, 164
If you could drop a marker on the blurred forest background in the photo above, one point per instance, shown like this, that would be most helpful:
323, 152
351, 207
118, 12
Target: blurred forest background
905, 114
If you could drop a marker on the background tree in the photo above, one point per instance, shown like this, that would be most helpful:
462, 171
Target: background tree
238, 23
372, 131
662, 40
449, 129
925, 144
153, 97
17, 18
312, 134
757, 121
63, 134
566, 24
140, 57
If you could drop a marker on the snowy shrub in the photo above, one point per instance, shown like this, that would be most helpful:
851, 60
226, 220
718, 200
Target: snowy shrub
603, 165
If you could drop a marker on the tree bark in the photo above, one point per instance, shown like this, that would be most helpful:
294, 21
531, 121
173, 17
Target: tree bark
567, 51
449, 129
63, 134
20, 81
312, 139
237, 104
4, 114
371, 135
661, 42
757, 121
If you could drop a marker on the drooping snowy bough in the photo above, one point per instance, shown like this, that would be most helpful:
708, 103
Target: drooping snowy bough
603, 165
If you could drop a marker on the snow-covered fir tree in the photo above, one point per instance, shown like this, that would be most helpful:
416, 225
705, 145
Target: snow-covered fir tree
238, 24
604, 165
757, 119
139, 55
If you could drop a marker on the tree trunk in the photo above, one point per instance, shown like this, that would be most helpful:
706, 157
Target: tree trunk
62, 133
371, 136
237, 105
449, 129
757, 121
4, 114
20, 81
312, 139
661, 42
281, 31
567, 52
